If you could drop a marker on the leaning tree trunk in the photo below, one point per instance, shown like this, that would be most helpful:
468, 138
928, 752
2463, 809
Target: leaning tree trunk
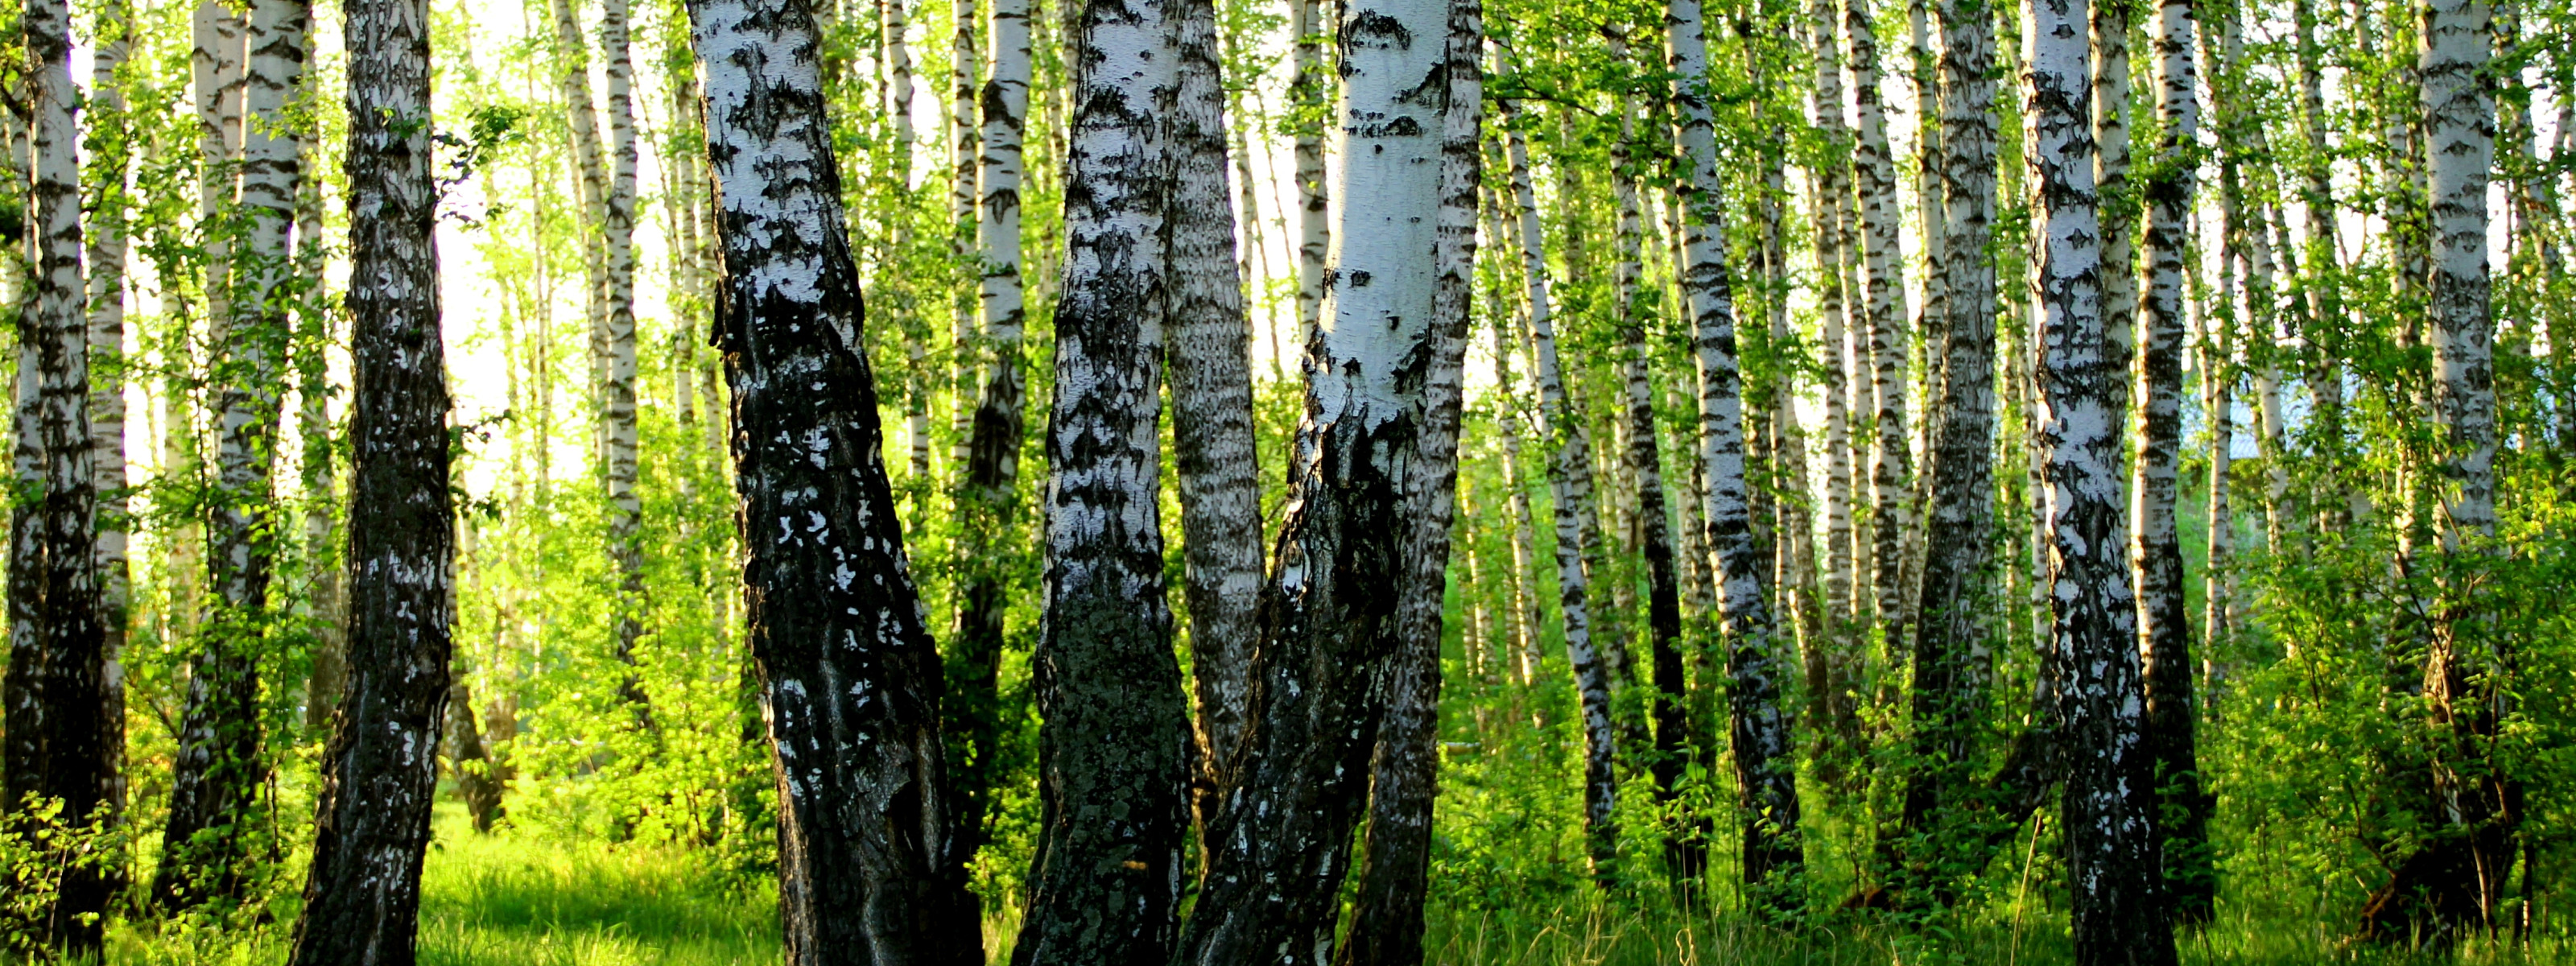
617, 389
988, 505
1211, 384
2119, 915
1569, 477
58, 695
1395, 852
1114, 749
380, 771
1765, 763
1329, 622
849, 677
2455, 880
217, 772
1950, 654
2164, 625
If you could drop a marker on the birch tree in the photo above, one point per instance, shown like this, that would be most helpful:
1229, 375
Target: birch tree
1114, 747
2164, 631
58, 693
2119, 914
1309, 95
1765, 763
617, 390
1395, 851
849, 680
1880, 211
1279, 842
380, 771
1569, 479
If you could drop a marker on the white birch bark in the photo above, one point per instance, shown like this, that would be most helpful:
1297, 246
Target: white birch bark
1527, 615
618, 391
110, 201
590, 181
1309, 93
1890, 456
1570, 490
2459, 134
2118, 914
1829, 659
964, 148
1761, 726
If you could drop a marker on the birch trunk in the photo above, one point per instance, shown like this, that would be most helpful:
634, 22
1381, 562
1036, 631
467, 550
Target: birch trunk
1527, 615
988, 506
2112, 21
380, 770
618, 395
1310, 101
1765, 763
60, 698
1113, 772
2164, 627
1890, 459
2456, 880
590, 183
2119, 915
848, 674
1386, 922
218, 769
1950, 655
965, 147
1569, 477
1329, 615
1829, 659
1211, 385
110, 200
2323, 282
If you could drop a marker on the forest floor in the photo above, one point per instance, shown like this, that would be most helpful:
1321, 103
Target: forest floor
527, 899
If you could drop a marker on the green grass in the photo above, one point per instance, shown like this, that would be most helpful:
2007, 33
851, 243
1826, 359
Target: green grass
528, 899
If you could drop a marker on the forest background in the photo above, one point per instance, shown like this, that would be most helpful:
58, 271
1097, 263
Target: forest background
610, 795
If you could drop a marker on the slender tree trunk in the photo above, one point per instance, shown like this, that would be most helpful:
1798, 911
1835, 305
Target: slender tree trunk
988, 506
1569, 476
1765, 764
1890, 459
1386, 922
590, 183
1527, 615
965, 149
1211, 385
2324, 282
380, 771
59, 693
1330, 614
219, 768
1831, 676
2164, 627
1310, 104
617, 391
849, 678
1950, 655
2455, 880
1113, 772
111, 160
2119, 915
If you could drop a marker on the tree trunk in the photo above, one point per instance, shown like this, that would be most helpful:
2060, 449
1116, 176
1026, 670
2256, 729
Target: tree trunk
1310, 103
1211, 384
1950, 654
59, 692
1569, 476
1890, 458
110, 200
1829, 658
617, 391
1765, 765
1329, 615
988, 506
219, 769
849, 678
965, 150
2164, 626
1113, 772
2455, 881
2119, 915
380, 771
590, 184
1386, 921
1527, 615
